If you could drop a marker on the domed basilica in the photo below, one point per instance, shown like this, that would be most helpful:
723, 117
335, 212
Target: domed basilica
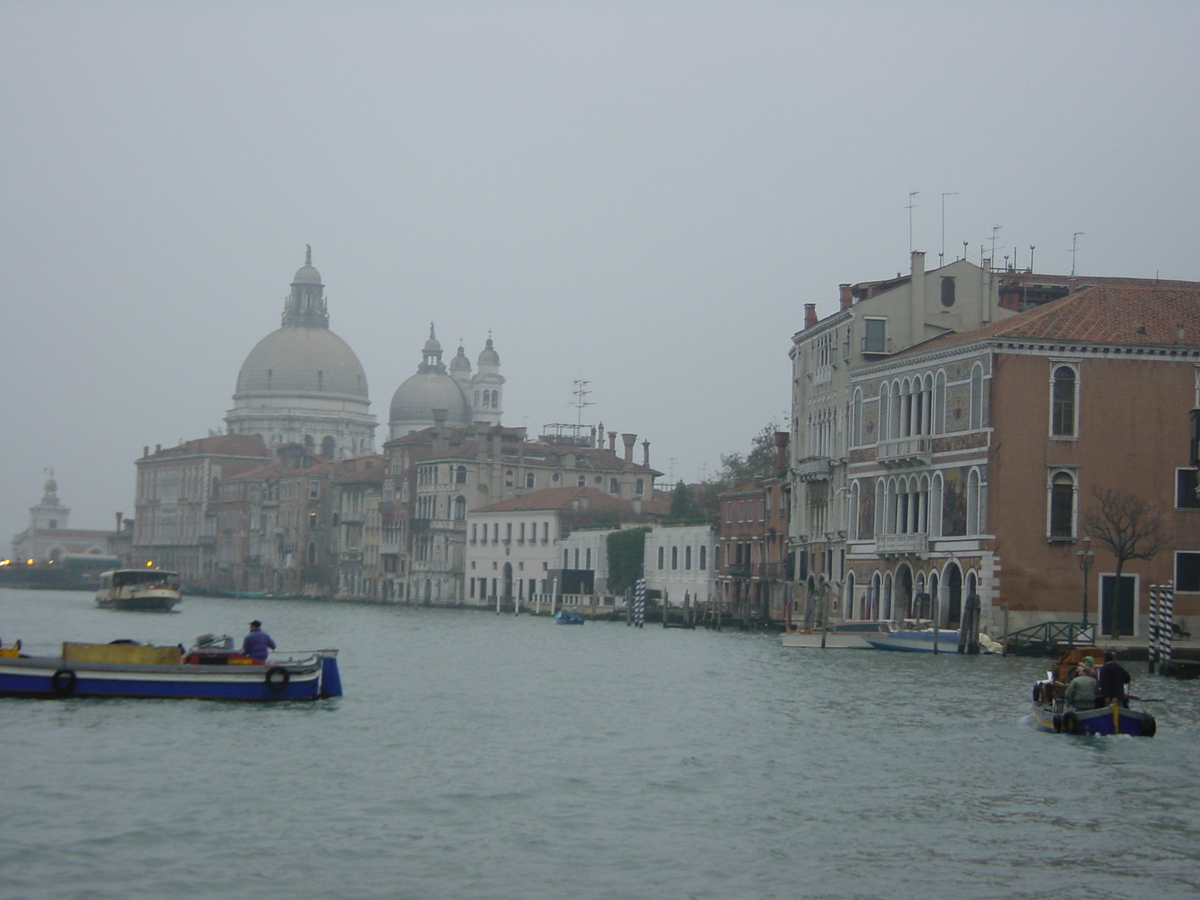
303, 384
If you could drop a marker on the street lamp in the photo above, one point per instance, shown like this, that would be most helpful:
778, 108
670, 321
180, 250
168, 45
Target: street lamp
1086, 557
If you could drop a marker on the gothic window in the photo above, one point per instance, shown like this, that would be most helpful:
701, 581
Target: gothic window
703, 557
687, 557
674, 557
1063, 398
661, 556
1062, 505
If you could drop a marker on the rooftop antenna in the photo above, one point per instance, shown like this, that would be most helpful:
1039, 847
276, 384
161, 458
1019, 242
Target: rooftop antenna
1031, 249
995, 231
964, 256
944, 196
1074, 246
580, 393
910, 206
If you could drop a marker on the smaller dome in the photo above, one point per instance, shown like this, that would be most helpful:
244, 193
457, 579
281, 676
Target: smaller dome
307, 275
460, 363
488, 356
414, 401
51, 486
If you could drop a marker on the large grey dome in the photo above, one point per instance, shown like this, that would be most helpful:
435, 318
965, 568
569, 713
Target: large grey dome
414, 401
296, 359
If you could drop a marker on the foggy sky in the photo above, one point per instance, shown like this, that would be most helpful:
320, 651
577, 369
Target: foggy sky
642, 195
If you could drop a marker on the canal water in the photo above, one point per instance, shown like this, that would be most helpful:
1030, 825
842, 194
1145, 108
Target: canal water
483, 756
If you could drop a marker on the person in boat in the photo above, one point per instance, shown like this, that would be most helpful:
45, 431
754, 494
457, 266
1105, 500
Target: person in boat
1081, 692
1112, 680
257, 644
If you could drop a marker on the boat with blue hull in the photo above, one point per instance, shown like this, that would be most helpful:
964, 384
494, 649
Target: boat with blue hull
1050, 712
915, 641
569, 617
125, 669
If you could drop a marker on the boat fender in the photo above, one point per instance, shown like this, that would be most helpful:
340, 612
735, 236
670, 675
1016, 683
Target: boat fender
277, 678
63, 681
1149, 726
1069, 722
1057, 723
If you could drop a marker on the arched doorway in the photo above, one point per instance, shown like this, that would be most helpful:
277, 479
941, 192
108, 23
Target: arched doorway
935, 600
954, 595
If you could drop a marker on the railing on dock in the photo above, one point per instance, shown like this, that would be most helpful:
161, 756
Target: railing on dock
1045, 637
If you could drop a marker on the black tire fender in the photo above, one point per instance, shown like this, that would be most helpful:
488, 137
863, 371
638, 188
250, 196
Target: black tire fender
63, 681
277, 678
1069, 723
1149, 727
1057, 723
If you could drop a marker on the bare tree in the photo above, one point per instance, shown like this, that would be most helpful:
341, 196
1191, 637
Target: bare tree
1129, 526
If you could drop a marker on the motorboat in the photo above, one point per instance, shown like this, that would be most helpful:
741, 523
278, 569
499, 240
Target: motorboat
210, 670
918, 641
851, 634
145, 590
569, 617
1050, 712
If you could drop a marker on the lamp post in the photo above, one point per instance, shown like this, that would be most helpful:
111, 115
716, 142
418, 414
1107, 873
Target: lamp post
1086, 557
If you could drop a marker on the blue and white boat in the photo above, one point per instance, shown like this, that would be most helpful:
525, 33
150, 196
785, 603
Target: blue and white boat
915, 641
125, 669
569, 617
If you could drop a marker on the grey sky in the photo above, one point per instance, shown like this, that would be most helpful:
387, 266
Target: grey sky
639, 194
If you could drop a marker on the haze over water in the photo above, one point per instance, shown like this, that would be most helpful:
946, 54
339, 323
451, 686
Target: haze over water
484, 756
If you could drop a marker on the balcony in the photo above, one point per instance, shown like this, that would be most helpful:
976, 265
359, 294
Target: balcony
813, 468
738, 570
909, 451
915, 544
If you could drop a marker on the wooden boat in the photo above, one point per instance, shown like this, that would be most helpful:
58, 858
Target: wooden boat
1050, 714
569, 617
146, 590
207, 672
852, 634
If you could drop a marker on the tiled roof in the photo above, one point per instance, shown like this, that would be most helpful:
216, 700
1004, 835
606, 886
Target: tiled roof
563, 499
1119, 314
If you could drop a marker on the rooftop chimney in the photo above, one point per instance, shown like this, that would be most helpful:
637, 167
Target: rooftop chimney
810, 315
646, 454
781, 447
612, 442
844, 296
629, 440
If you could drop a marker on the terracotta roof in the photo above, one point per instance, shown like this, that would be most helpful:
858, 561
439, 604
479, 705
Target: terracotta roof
216, 445
563, 499
1124, 314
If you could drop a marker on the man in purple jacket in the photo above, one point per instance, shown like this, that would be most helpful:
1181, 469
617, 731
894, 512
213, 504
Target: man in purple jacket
257, 644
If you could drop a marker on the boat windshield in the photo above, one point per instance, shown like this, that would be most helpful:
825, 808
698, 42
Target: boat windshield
143, 576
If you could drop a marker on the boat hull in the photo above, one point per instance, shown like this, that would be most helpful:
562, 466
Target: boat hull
1107, 720
840, 636
50, 677
141, 601
916, 641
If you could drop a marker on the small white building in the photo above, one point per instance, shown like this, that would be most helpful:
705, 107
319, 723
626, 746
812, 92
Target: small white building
679, 562
513, 547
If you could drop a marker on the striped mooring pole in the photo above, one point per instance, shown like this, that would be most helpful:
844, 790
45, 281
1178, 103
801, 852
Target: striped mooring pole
1166, 615
639, 603
1152, 636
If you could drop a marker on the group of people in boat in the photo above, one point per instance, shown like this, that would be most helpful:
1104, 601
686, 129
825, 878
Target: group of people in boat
1092, 688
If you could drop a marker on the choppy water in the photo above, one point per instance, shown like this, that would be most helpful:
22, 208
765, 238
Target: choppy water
476, 756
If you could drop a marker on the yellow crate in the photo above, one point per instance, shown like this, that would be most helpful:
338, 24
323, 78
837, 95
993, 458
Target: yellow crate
139, 654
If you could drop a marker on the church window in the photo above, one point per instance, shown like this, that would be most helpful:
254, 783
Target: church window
661, 555
495, 399
613, 486
1062, 402
309, 443
703, 557
327, 447
674, 557
460, 475
639, 487
581, 481
687, 557
1062, 505
460, 507
529, 480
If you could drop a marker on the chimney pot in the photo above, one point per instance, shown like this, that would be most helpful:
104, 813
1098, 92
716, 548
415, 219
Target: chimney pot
810, 315
646, 454
844, 296
629, 440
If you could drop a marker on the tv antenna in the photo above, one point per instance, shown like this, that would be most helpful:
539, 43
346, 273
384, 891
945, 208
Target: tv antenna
1074, 246
580, 393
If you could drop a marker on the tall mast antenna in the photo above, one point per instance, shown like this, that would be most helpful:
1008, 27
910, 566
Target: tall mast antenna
910, 206
942, 255
1074, 247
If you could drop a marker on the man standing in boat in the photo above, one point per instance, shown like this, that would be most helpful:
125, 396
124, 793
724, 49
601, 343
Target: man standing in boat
1112, 680
257, 644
